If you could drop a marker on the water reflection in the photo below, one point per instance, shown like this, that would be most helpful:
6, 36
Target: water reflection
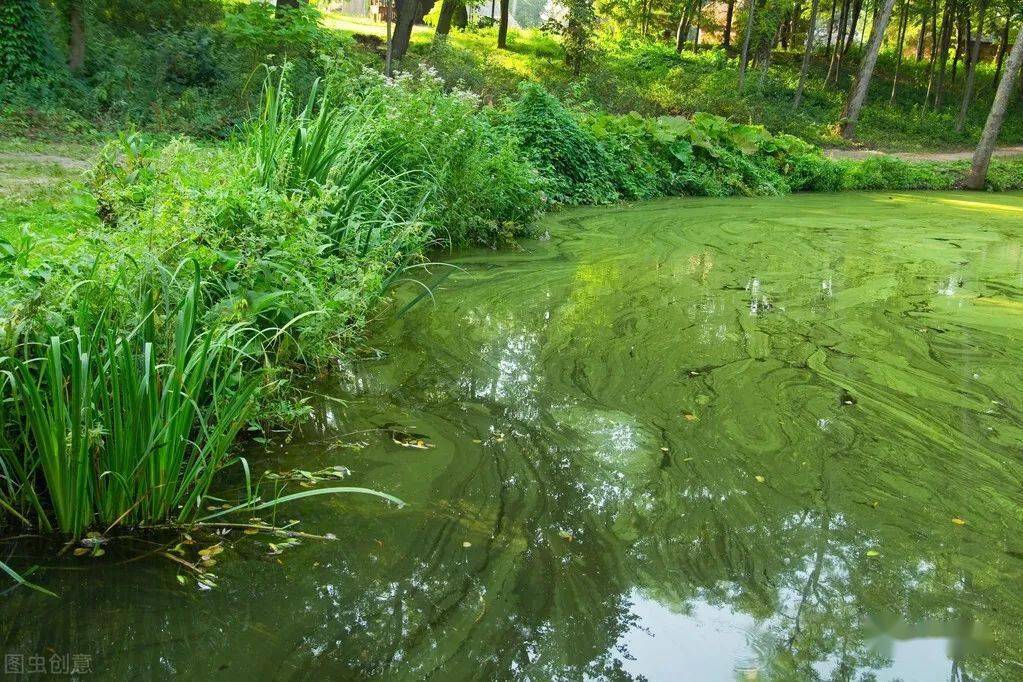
637, 473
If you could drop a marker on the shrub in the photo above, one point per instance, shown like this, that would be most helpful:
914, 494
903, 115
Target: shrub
470, 164
890, 173
569, 156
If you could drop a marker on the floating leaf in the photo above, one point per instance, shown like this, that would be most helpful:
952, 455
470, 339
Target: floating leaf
689, 417
182, 579
467, 544
760, 479
81, 551
958, 521
873, 552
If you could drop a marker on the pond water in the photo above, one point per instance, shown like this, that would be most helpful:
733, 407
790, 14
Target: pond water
684, 440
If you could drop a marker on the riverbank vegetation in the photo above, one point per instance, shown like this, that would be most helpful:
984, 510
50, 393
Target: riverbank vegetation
263, 185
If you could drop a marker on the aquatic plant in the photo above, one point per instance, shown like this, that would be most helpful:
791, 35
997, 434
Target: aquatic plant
99, 428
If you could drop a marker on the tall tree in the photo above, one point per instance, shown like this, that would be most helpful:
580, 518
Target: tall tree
726, 41
923, 35
900, 46
502, 27
682, 30
807, 52
856, 9
744, 57
946, 42
839, 42
988, 139
447, 13
1003, 46
859, 90
971, 70
696, 24
76, 35
405, 18
831, 30
577, 33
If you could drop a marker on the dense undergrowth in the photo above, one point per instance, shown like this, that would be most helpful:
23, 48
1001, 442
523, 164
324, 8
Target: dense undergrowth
652, 79
331, 184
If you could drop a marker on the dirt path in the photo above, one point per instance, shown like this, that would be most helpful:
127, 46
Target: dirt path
24, 171
964, 155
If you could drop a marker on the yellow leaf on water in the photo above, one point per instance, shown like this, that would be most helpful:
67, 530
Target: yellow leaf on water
250, 531
760, 479
873, 552
81, 551
958, 521
467, 544
689, 417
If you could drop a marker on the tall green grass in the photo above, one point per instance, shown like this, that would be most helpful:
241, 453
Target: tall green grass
104, 427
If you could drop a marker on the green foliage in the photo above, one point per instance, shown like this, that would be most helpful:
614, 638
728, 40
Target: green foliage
890, 173
25, 52
568, 155
110, 433
138, 17
480, 187
577, 31
192, 74
602, 158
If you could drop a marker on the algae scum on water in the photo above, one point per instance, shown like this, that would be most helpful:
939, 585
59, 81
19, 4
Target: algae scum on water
690, 439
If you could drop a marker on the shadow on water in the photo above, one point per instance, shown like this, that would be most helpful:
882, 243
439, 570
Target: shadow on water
709, 440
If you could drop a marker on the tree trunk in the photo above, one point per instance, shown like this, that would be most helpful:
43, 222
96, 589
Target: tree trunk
696, 23
831, 31
1003, 47
859, 92
797, 14
982, 157
857, 8
971, 70
744, 57
807, 52
681, 32
646, 16
283, 6
726, 42
901, 47
447, 12
406, 15
76, 33
961, 32
946, 41
502, 28
839, 42
920, 40
461, 17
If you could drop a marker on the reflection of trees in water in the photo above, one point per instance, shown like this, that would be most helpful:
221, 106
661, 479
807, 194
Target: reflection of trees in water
679, 532
578, 508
